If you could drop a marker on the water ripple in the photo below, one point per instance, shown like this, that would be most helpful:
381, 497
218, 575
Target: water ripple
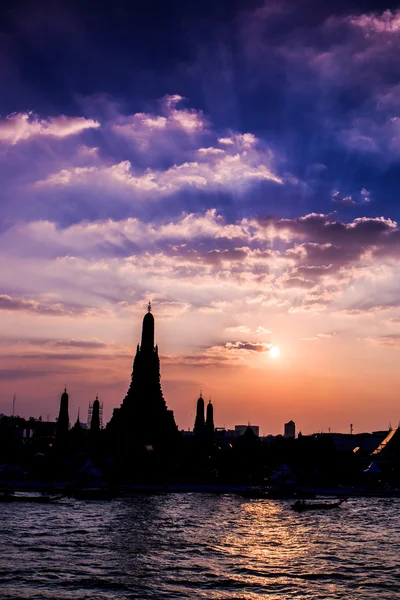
199, 546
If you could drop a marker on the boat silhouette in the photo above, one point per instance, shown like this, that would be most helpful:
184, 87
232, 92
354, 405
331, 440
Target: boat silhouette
301, 506
10, 496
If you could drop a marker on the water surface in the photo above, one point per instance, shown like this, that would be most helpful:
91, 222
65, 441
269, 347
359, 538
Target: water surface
199, 546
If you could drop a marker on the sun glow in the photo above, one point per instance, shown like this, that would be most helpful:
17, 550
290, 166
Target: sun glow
274, 352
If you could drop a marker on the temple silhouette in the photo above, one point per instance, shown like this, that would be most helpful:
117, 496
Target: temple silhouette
143, 419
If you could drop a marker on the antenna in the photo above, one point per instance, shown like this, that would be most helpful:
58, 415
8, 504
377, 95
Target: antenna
351, 428
15, 397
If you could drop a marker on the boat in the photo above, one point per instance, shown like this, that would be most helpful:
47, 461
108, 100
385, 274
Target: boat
301, 506
8, 496
94, 493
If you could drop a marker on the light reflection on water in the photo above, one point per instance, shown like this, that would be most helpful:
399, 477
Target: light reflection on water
199, 546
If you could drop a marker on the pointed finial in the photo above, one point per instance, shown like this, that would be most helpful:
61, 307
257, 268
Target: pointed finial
201, 393
97, 396
149, 307
65, 388
79, 408
209, 400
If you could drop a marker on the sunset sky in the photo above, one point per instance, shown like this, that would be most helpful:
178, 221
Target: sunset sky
235, 162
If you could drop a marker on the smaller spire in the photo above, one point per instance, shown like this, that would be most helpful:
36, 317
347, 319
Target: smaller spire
97, 396
201, 393
149, 307
65, 388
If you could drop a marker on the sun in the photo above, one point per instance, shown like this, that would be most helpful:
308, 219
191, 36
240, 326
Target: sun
274, 352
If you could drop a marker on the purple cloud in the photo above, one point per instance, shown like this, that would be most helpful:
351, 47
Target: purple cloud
23, 126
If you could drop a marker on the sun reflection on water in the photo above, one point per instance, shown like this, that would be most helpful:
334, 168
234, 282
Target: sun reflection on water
199, 546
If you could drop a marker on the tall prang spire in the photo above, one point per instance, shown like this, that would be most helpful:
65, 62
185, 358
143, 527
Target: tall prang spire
210, 419
63, 416
148, 330
95, 420
199, 423
144, 418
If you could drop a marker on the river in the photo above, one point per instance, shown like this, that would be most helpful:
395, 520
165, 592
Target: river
199, 546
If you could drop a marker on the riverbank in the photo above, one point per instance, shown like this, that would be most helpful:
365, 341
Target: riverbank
127, 489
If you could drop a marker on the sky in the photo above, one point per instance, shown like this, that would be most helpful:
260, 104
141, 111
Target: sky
237, 163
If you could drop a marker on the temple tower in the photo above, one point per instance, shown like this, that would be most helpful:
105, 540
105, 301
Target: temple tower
77, 426
95, 420
210, 421
144, 418
63, 417
199, 423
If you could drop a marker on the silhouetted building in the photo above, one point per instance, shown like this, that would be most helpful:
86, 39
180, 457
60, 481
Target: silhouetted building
389, 448
95, 420
210, 421
199, 423
289, 430
241, 429
77, 426
77, 437
143, 420
63, 418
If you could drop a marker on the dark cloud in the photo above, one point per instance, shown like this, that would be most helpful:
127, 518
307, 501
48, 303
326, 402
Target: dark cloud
393, 341
68, 356
365, 308
32, 306
78, 344
298, 282
250, 346
325, 229
346, 201
25, 373
55, 343
203, 360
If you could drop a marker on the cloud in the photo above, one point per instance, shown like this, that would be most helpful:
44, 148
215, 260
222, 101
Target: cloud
249, 346
57, 309
201, 263
226, 355
263, 331
162, 154
342, 68
328, 230
22, 126
298, 282
143, 127
24, 373
365, 311
386, 22
213, 171
124, 237
318, 337
331, 243
395, 320
346, 201
238, 329
369, 136
93, 344
392, 341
